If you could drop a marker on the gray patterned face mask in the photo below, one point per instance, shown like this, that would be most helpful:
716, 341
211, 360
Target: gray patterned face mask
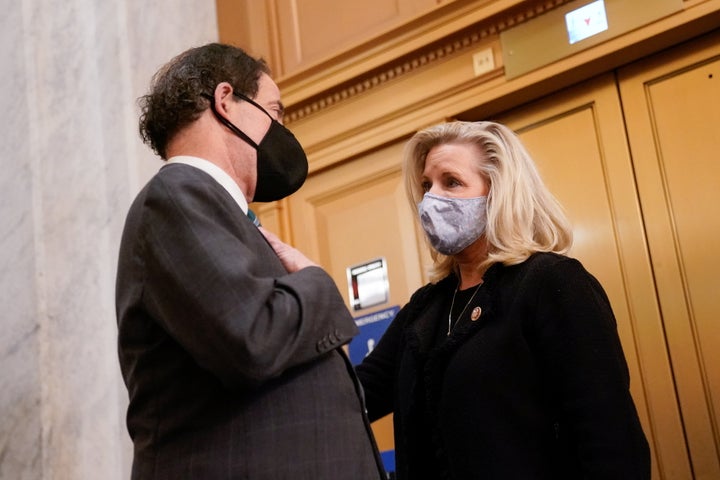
452, 224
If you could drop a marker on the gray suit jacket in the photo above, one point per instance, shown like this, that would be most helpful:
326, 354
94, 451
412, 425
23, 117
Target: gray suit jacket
233, 366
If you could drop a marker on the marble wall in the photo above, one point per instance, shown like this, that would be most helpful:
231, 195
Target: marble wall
70, 163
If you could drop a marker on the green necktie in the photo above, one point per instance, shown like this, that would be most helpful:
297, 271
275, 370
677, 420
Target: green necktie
251, 215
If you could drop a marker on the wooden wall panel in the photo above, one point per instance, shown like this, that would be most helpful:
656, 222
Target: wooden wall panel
310, 30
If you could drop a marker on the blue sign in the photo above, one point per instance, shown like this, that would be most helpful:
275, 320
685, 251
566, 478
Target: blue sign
372, 326
388, 458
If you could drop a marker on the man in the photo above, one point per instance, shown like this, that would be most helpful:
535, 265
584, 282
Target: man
232, 363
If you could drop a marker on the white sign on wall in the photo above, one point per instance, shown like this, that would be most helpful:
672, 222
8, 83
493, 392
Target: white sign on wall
586, 21
368, 284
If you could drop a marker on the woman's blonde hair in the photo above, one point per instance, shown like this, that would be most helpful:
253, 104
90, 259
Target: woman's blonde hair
523, 217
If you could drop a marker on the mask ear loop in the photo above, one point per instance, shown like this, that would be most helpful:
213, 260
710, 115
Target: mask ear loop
228, 123
253, 102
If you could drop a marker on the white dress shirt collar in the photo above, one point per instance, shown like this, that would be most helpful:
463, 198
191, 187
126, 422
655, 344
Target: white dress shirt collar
218, 174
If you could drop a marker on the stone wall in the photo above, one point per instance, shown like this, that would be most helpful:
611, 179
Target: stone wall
70, 163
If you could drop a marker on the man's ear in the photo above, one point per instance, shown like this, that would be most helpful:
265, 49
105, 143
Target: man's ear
222, 96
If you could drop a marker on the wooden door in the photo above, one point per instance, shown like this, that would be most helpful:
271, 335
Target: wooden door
672, 113
578, 140
635, 163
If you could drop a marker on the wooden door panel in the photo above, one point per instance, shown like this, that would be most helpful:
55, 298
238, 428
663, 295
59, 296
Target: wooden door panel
672, 109
578, 141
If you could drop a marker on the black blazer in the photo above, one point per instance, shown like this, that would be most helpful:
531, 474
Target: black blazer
233, 366
537, 387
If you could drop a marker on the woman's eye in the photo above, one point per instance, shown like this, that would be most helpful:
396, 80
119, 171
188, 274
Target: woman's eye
453, 183
426, 186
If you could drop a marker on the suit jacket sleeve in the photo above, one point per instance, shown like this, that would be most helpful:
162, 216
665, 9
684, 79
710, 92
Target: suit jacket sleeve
217, 287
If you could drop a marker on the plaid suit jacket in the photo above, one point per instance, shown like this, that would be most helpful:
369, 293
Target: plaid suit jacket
232, 365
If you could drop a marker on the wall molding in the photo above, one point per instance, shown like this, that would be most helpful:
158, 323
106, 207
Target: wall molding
454, 43
336, 123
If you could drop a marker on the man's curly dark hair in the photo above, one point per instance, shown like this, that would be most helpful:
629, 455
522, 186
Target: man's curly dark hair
176, 93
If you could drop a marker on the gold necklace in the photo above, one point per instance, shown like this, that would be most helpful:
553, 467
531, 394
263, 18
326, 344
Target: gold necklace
452, 304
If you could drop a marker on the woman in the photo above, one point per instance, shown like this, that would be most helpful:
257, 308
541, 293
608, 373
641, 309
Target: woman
508, 365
